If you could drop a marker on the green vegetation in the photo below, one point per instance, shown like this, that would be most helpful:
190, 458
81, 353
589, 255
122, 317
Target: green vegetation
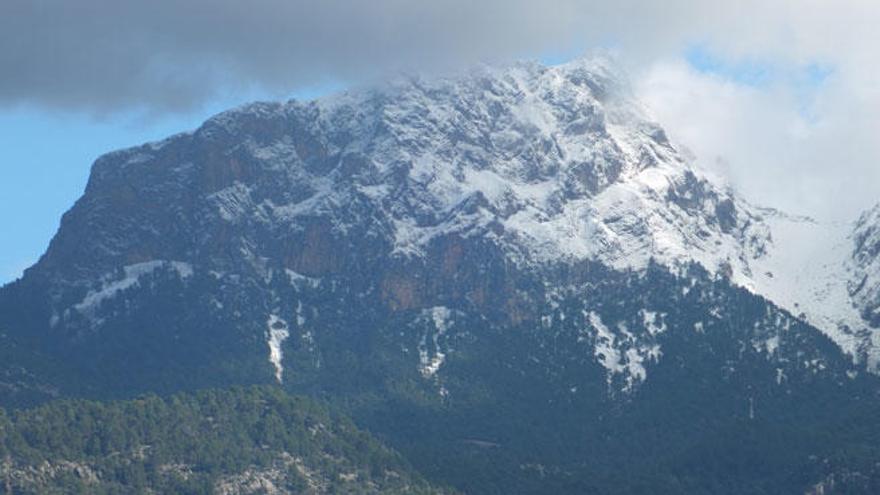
242, 440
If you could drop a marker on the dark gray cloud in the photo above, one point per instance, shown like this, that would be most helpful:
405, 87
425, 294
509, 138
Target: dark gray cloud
166, 55
103, 55
170, 54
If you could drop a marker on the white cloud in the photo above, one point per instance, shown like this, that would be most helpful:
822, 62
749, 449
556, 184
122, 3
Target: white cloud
823, 161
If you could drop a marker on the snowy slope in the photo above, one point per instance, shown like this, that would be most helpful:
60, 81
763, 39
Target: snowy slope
563, 159
807, 271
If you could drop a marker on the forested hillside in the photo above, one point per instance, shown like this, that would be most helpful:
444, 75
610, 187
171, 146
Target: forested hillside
237, 441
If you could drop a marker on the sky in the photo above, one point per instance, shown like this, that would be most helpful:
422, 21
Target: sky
779, 97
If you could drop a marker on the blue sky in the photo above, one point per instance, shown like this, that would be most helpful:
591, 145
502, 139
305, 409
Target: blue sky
804, 79
45, 159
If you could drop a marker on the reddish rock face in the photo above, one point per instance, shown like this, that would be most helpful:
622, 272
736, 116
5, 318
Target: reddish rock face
316, 251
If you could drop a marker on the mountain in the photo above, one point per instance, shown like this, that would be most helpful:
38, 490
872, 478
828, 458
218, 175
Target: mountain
239, 441
544, 163
512, 276
865, 284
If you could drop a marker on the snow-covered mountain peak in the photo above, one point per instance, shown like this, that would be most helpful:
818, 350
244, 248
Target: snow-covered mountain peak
531, 146
490, 117
549, 164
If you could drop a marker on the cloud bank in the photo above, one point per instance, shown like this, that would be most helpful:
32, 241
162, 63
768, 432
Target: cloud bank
801, 149
103, 54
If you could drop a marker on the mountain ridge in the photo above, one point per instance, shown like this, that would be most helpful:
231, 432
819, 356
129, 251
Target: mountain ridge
513, 277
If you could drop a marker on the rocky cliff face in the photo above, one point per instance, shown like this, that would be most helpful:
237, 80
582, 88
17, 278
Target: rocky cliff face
542, 163
538, 157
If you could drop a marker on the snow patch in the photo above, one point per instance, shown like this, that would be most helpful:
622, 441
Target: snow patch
654, 322
300, 316
276, 334
298, 279
430, 362
621, 353
131, 275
